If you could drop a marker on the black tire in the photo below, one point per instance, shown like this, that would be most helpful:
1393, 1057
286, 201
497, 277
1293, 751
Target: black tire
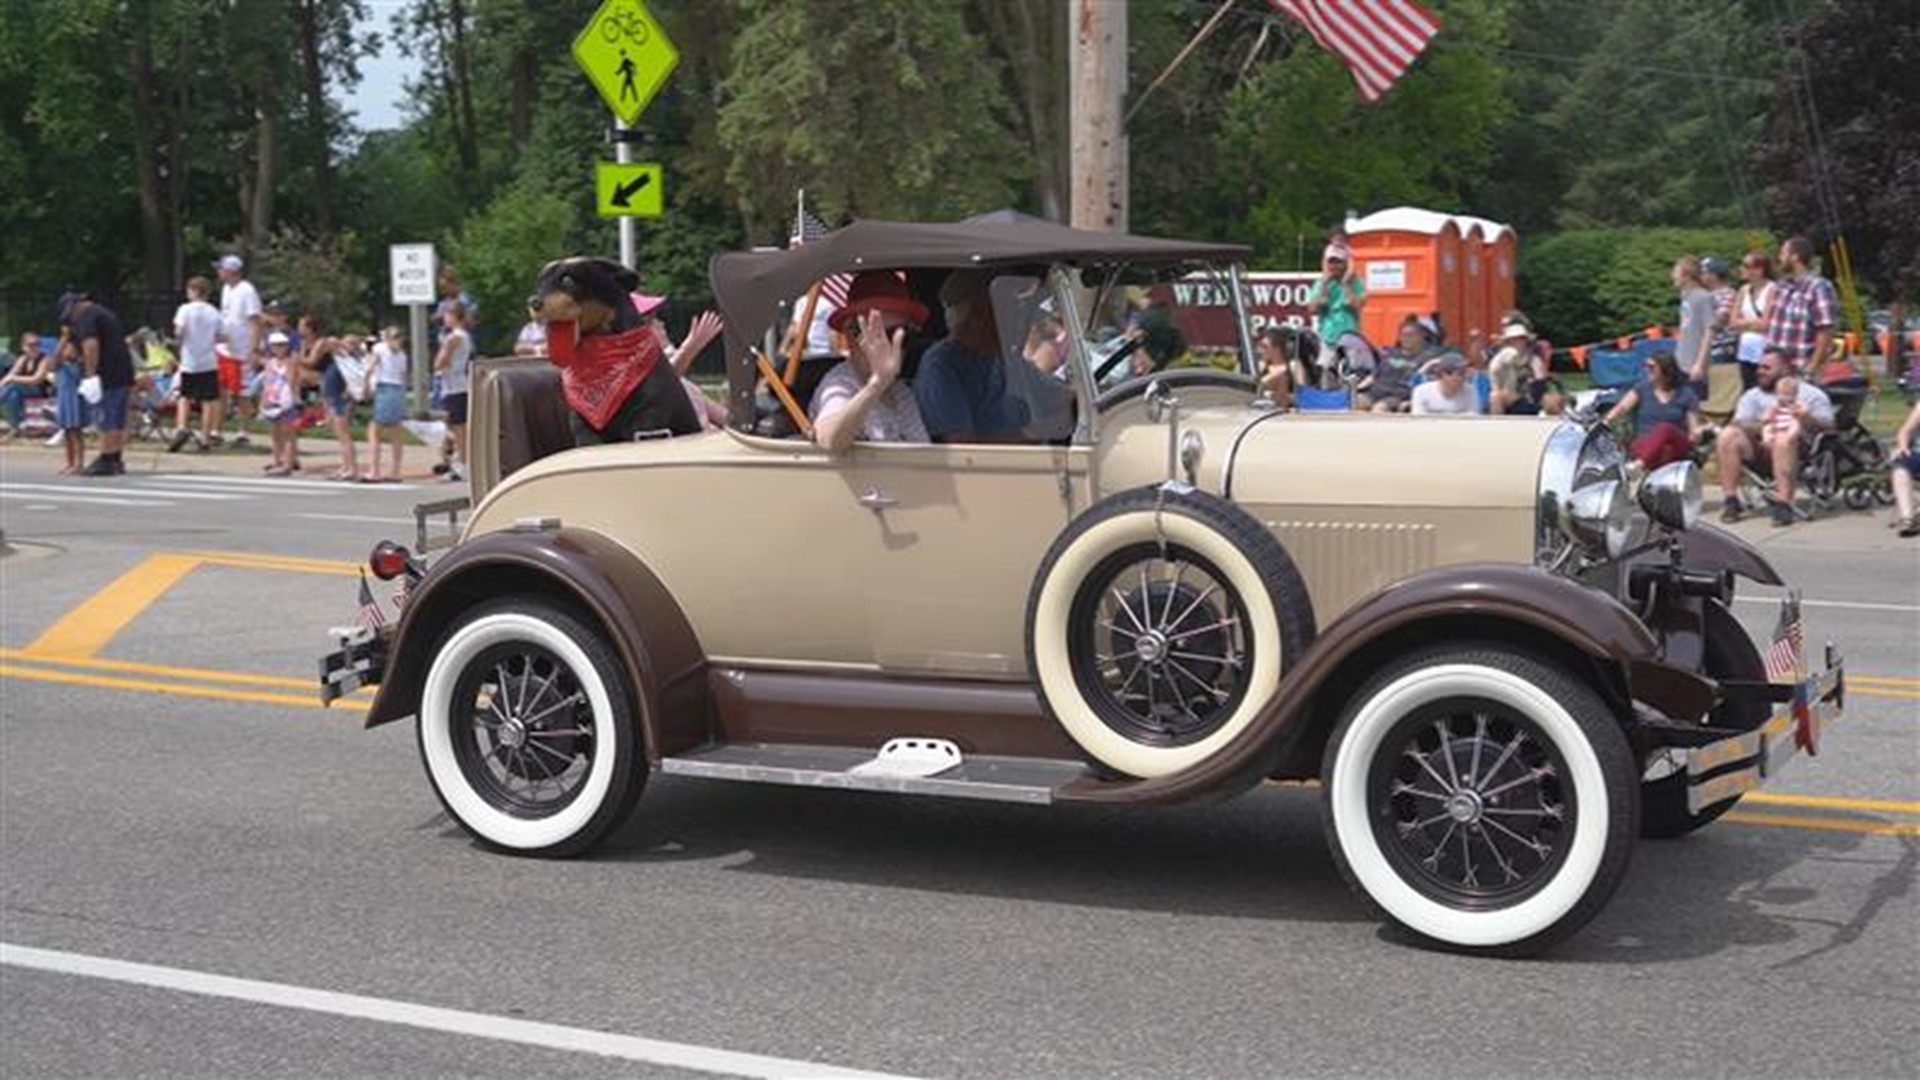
1177, 585
1174, 379
1857, 496
1553, 812
526, 729
1728, 654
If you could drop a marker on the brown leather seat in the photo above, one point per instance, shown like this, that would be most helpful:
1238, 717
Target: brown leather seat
532, 415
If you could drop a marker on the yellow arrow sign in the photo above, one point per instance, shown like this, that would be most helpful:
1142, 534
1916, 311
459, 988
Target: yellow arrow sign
626, 56
629, 189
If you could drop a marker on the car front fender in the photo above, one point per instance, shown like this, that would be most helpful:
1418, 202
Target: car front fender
1526, 606
1710, 549
665, 666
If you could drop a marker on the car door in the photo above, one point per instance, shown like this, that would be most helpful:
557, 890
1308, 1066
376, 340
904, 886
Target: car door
953, 536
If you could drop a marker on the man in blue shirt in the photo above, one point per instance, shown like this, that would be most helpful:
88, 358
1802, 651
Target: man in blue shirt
962, 384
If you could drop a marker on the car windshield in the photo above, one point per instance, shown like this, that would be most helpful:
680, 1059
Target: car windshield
1132, 332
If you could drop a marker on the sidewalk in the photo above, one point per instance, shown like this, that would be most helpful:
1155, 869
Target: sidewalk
319, 457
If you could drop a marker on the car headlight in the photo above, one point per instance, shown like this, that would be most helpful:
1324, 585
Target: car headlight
1599, 517
1575, 459
1671, 495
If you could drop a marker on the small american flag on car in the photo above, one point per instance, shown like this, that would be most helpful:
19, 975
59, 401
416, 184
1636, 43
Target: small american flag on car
1786, 654
807, 228
370, 617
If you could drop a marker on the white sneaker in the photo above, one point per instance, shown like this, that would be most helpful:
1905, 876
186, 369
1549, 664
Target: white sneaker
59, 437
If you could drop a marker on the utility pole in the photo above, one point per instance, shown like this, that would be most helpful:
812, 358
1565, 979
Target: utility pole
1097, 75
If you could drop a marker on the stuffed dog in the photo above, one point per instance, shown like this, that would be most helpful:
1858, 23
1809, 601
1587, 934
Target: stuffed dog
612, 367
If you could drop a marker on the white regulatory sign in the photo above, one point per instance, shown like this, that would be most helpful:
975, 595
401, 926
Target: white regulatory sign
412, 268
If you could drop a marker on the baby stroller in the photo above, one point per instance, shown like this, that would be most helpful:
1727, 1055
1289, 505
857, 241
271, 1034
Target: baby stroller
1847, 463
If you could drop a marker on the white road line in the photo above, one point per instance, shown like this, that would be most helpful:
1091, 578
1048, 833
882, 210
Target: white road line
431, 1018
104, 489
236, 491
274, 481
358, 517
1850, 605
92, 500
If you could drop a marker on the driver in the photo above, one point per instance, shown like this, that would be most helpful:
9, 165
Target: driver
962, 384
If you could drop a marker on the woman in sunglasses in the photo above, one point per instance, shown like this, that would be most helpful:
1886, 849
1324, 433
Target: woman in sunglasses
1749, 316
1666, 413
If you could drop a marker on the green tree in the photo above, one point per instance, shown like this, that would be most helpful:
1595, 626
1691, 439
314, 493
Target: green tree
877, 108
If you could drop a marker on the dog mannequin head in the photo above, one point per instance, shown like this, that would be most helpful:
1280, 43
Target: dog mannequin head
590, 292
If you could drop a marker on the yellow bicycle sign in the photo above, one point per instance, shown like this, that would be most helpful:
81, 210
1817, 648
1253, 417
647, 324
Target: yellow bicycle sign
626, 56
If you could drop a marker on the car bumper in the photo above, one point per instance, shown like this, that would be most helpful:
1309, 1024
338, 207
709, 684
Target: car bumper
1732, 766
359, 661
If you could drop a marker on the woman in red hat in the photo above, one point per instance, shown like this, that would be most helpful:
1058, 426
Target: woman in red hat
862, 398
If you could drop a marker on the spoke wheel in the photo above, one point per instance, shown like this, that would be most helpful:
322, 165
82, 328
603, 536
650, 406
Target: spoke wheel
528, 741
1470, 803
527, 729
1160, 645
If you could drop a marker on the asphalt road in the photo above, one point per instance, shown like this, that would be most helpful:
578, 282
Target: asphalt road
173, 798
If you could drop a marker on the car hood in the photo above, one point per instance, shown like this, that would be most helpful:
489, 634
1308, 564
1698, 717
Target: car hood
1361, 459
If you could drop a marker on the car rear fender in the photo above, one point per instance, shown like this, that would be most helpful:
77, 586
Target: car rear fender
1577, 626
606, 582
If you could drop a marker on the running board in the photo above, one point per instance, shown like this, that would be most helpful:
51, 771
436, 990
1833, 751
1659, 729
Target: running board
998, 779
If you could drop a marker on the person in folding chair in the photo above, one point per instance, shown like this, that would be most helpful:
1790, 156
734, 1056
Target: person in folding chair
1449, 392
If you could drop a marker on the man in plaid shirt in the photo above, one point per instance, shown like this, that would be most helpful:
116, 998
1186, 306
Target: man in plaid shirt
1801, 322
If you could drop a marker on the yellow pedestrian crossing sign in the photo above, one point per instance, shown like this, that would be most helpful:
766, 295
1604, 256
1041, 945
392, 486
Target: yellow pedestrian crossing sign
626, 56
624, 189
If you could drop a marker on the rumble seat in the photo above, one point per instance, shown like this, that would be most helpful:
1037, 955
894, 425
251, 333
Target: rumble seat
519, 398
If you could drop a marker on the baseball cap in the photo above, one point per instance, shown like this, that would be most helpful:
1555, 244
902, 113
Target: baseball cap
229, 262
1715, 265
1452, 361
278, 338
645, 303
63, 307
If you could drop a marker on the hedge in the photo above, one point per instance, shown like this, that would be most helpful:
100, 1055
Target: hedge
1590, 285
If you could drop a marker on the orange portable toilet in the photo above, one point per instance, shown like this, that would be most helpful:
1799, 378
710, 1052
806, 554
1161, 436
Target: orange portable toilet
1499, 253
1474, 316
1411, 261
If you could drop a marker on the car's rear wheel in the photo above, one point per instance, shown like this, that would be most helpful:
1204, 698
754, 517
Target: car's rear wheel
526, 729
1481, 798
1159, 625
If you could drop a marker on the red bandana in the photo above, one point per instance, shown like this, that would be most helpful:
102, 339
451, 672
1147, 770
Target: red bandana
597, 373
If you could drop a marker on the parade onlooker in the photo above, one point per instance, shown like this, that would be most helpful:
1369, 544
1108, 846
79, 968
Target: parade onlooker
1751, 305
1741, 440
1510, 368
1337, 298
1276, 371
1696, 319
1723, 346
1390, 387
69, 411
280, 401
456, 349
343, 381
101, 344
29, 376
243, 331
387, 384
1801, 320
1449, 392
1906, 462
196, 326
1666, 414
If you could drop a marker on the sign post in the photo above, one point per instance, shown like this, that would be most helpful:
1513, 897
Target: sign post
412, 270
627, 57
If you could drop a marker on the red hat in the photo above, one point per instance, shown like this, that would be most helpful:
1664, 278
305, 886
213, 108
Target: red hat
878, 290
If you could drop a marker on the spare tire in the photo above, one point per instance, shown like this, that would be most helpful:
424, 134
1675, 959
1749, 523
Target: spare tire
1158, 627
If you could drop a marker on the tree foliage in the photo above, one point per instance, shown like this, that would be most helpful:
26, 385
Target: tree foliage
1597, 284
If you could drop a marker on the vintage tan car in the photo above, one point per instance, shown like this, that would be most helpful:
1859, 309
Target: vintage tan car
1502, 655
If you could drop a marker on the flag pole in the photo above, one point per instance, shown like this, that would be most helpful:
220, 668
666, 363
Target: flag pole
802, 329
1178, 59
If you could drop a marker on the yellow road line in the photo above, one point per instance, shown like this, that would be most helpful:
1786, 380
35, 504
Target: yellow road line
1871, 806
247, 560
1866, 828
188, 673
106, 682
87, 628
1874, 691
1881, 680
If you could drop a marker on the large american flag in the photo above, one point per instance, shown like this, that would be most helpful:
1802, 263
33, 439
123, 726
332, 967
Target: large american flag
1377, 39
1786, 654
808, 228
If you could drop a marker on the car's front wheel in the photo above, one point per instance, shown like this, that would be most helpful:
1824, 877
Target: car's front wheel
526, 729
1481, 798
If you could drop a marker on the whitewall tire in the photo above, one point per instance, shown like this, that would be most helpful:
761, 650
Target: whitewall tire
526, 729
1158, 628
1481, 798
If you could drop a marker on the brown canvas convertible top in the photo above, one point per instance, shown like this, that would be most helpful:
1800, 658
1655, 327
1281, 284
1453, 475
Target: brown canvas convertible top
750, 285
